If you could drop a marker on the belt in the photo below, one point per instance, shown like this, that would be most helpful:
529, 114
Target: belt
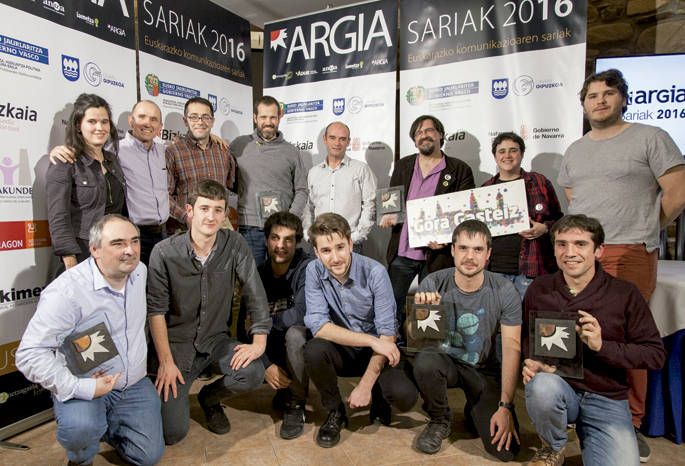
152, 229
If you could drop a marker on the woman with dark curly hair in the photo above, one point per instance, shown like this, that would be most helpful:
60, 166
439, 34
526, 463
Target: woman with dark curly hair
79, 194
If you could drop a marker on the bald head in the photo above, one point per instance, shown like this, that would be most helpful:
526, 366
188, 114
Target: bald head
145, 121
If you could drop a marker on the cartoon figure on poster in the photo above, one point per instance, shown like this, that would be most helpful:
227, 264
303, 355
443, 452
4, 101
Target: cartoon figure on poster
465, 340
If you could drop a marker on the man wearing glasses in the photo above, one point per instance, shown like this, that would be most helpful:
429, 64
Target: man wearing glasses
196, 157
428, 173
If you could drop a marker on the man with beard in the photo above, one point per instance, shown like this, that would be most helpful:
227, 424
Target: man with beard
428, 173
477, 303
196, 157
631, 178
267, 163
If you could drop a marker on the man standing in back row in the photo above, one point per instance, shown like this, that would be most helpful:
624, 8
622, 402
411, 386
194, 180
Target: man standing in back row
631, 178
266, 162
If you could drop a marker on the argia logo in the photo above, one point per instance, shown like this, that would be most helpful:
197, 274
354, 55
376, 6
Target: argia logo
500, 88
92, 74
523, 85
338, 106
152, 84
225, 106
356, 104
116, 30
213, 100
278, 39
70, 68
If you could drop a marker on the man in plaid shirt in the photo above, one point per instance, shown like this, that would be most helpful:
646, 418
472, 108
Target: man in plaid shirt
196, 157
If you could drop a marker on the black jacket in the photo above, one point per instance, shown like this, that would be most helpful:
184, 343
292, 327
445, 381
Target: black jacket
460, 178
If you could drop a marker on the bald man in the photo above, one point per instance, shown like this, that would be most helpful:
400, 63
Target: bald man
343, 186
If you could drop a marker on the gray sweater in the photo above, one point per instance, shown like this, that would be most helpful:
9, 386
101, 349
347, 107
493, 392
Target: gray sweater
267, 166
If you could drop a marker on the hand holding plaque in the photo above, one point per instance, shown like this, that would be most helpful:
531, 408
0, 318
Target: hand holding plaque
390, 202
555, 342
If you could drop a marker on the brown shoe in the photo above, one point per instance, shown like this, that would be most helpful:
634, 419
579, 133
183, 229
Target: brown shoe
546, 456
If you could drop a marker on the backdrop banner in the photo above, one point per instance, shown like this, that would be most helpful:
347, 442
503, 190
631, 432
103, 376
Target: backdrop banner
42, 76
338, 65
484, 67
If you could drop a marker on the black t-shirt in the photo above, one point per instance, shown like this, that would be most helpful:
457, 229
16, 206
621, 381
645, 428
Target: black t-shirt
505, 251
115, 195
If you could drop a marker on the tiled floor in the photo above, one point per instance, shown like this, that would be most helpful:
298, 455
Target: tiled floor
254, 439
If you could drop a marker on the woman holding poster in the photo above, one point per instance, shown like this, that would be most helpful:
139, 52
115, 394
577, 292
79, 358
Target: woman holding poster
79, 194
524, 256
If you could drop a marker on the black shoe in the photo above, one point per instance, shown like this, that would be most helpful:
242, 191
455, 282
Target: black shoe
642, 447
217, 421
206, 374
329, 433
430, 440
293, 421
381, 412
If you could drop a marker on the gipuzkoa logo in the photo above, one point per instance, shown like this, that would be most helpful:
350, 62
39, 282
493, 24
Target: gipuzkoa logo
356, 104
278, 39
338, 106
70, 68
92, 74
225, 106
500, 88
213, 100
152, 84
523, 85
124, 10
52, 5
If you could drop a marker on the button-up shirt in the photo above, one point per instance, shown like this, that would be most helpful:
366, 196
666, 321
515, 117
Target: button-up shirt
364, 303
197, 299
146, 175
77, 295
348, 189
188, 164
419, 188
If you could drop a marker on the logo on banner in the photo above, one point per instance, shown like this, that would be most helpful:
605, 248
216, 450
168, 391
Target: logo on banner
500, 88
70, 68
24, 235
329, 69
14, 297
381, 61
525, 132
116, 30
152, 85
338, 106
16, 186
523, 85
356, 144
213, 100
53, 6
415, 95
278, 39
88, 19
92, 74
225, 106
356, 104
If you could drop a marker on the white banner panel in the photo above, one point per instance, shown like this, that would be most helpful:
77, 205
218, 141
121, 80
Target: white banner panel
50, 52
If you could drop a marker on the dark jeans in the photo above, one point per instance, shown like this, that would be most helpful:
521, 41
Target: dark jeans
147, 242
176, 411
326, 361
436, 372
402, 272
291, 360
256, 241
358, 249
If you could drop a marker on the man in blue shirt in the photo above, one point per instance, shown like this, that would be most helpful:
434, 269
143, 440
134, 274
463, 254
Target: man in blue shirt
351, 313
122, 408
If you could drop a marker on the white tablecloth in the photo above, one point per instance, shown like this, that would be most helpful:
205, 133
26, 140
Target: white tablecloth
668, 301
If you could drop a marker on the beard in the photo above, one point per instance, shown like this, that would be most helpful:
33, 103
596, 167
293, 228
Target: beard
426, 149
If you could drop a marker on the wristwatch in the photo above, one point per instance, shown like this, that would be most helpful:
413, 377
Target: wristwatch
509, 406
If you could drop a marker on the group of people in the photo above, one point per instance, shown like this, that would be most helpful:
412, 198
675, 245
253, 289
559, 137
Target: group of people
341, 313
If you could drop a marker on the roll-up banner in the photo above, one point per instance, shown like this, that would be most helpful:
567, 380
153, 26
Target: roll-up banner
41, 77
484, 67
338, 65
195, 49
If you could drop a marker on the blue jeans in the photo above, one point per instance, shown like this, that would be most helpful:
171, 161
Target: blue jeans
128, 420
147, 243
521, 282
176, 411
402, 272
256, 241
603, 425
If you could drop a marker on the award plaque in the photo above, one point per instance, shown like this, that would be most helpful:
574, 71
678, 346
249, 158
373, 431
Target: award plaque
91, 348
555, 342
390, 201
269, 202
426, 328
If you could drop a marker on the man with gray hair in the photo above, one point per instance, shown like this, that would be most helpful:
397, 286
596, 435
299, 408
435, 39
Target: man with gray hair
343, 186
86, 344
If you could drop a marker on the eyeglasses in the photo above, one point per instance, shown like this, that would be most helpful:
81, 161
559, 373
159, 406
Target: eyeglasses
194, 118
427, 132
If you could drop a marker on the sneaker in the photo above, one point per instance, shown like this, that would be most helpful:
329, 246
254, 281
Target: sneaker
546, 456
217, 421
642, 447
293, 422
206, 374
329, 433
430, 440
381, 412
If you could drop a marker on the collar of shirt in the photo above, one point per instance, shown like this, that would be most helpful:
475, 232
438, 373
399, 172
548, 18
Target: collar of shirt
437, 169
191, 249
345, 161
133, 142
194, 144
99, 281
